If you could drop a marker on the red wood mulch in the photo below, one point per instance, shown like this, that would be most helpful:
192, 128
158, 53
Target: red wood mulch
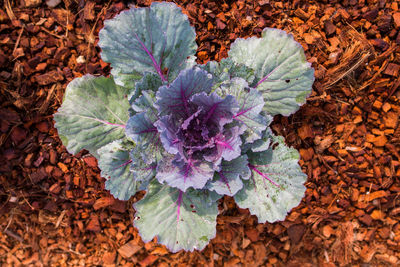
53, 207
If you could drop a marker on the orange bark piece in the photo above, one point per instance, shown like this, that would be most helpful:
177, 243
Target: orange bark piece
396, 18
130, 248
391, 120
202, 55
103, 202
375, 195
327, 231
63, 167
109, 257
377, 215
380, 141
149, 260
160, 251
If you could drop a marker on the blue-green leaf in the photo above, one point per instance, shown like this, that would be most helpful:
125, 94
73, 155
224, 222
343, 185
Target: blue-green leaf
258, 145
140, 128
93, 114
149, 83
251, 104
276, 185
283, 75
226, 70
128, 79
183, 173
179, 220
125, 174
228, 180
158, 39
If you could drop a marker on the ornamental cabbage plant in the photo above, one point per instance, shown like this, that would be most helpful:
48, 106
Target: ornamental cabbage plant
185, 133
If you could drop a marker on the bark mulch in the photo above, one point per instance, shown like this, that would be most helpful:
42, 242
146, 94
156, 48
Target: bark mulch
54, 210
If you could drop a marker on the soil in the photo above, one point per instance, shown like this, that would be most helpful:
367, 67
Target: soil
54, 210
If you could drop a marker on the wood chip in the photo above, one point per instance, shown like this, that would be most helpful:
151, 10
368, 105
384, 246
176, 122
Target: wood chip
391, 120
63, 167
109, 257
380, 141
129, 249
93, 224
103, 202
392, 70
396, 19
375, 195
377, 215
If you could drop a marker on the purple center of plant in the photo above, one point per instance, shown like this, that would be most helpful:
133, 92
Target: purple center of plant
196, 132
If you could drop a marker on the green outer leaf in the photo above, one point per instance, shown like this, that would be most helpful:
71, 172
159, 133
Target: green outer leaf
228, 181
140, 128
146, 39
157, 215
93, 114
149, 83
127, 80
259, 145
282, 72
250, 113
226, 70
114, 163
266, 200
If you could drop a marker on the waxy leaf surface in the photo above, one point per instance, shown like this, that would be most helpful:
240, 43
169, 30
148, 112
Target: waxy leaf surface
174, 99
228, 181
276, 186
184, 173
93, 114
227, 69
115, 164
158, 39
140, 128
283, 75
178, 220
251, 104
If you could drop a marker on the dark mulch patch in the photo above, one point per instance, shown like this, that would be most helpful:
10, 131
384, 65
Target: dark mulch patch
54, 210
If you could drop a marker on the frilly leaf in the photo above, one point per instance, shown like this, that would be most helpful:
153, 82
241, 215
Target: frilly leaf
228, 181
179, 220
220, 111
184, 173
125, 175
140, 128
174, 99
167, 129
149, 83
283, 75
228, 146
226, 70
258, 145
276, 186
251, 103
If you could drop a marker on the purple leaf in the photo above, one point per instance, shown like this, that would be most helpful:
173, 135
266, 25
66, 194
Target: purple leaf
184, 173
219, 111
227, 146
140, 128
174, 99
168, 136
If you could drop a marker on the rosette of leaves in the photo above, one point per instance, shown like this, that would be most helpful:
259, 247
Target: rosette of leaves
188, 134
